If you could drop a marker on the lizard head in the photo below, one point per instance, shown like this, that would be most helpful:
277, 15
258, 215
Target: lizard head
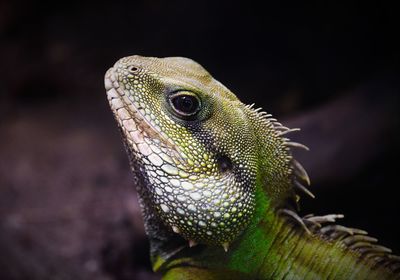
194, 144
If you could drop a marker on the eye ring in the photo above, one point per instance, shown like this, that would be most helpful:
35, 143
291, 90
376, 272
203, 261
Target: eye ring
184, 103
133, 69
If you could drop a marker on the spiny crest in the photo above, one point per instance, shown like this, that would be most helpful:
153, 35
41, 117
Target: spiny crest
300, 178
352, 239
323, 226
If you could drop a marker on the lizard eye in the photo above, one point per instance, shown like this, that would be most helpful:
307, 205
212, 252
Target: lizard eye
133, 69
185, 104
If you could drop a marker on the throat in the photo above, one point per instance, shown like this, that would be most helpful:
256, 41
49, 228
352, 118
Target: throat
259, 241
258, 251
270, 248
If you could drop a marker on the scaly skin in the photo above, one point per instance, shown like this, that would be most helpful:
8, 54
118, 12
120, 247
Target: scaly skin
215, 172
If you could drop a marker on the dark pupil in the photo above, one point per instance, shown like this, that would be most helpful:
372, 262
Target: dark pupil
186, 104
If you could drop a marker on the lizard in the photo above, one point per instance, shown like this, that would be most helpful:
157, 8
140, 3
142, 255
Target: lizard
218, 185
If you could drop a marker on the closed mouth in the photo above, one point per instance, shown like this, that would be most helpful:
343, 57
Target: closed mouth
131, 117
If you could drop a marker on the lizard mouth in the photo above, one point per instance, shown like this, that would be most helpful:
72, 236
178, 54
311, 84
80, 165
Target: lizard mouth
131, 115
127, 116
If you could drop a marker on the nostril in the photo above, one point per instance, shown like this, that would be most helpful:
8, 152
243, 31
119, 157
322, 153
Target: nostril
224, 163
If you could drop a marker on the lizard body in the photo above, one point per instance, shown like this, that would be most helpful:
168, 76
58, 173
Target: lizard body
219, 174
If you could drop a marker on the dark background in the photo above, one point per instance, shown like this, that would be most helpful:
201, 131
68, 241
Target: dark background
68, 207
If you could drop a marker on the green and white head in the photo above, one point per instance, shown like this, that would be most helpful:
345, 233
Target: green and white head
196, 146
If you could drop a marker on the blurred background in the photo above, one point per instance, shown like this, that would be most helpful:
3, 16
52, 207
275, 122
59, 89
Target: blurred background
68, 206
